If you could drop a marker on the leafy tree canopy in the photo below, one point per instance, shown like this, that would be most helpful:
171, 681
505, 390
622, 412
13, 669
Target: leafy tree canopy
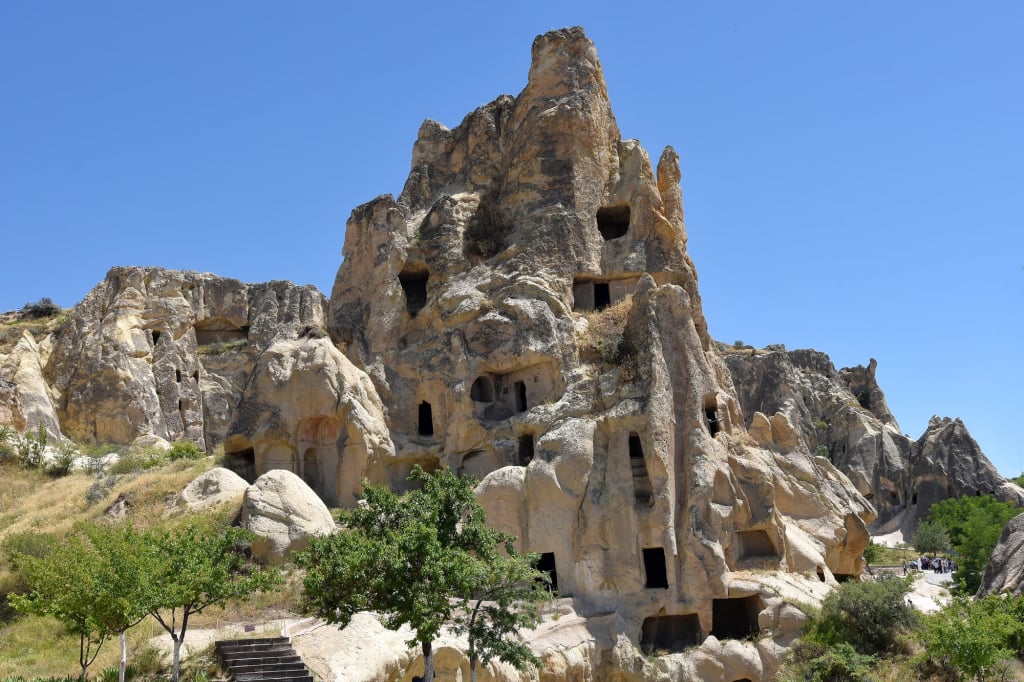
931, 538
424, 560
974, 524
867, 615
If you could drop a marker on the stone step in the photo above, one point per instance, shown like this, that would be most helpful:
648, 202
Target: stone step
262, 660
242, 655
294, 666
260, 677
267, 659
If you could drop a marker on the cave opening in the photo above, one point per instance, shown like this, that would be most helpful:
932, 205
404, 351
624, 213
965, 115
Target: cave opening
482, 390
546, 564
426, 419
613, 221
519, 389
655, 568
670, 633
242, 462
602, 295
414, 284
525, 449
735, 618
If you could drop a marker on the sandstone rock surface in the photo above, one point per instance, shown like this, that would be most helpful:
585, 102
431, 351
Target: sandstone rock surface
216, 486
844, 415
284, 513
132, 358
1005, 571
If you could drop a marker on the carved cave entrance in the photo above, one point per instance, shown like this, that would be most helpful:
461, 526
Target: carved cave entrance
546, 564
755, 543
643, 493
670, 633
525, 449
735, 618
414, 285
426, 419
243, 463
655, 568
613, 221
317, 445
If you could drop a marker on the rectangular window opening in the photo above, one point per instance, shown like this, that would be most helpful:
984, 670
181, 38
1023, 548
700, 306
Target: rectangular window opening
655, 568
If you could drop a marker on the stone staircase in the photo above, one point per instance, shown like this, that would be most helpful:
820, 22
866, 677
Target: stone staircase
267, 659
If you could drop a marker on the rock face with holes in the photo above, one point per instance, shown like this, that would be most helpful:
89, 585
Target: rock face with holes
843, 414
528, 314
307, 409
167, 353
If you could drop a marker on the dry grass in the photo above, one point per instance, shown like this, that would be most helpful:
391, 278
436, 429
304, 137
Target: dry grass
603, 327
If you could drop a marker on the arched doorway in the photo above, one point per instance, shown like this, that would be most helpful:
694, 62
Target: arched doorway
318, 442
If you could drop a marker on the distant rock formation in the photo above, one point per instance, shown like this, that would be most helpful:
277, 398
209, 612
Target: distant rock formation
844, 416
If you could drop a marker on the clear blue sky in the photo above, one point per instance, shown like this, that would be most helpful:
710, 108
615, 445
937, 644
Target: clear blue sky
853, 173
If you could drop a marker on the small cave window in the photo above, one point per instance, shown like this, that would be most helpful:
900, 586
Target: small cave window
913, 499
520, 395
602, 295
482, 390
821, 574
735, 618
546, 564
613, 221
156, 336
414, 284
711, 415
525, 449
177, 375
426, 419
755, 543
195, 375
655, 569
643, 493
670, 633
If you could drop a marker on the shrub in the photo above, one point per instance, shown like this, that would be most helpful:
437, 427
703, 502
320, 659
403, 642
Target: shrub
972, 638
868, 615
31, 447
811, 661
44, 307
183, 449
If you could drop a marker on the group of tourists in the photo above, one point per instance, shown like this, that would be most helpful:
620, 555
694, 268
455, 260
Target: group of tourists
935, 564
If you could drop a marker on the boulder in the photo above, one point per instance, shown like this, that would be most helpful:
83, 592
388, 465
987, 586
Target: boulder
283, 512
216, 486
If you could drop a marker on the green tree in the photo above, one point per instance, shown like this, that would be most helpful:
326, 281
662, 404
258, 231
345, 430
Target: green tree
974, 524
972, 637
196, 566
872, 553
867, 615
931, 538
124, 570
506, 600
418, 560
63, 579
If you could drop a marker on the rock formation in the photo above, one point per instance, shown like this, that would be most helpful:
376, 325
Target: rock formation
212, 488
524, 312
1004, 573
144, 352
528, 314
843, 414
283, 512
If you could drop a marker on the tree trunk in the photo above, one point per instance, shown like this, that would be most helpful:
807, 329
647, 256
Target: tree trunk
428, 661
124, 656
472, 667
176, 661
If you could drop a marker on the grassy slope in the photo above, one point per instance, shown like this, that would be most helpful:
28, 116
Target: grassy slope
31, 501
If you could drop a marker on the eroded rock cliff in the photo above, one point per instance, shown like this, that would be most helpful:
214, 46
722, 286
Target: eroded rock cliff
844, 416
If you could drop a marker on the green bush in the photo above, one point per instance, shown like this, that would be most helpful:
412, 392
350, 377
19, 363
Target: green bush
183, 449
867, 615
818, 663
975, 638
